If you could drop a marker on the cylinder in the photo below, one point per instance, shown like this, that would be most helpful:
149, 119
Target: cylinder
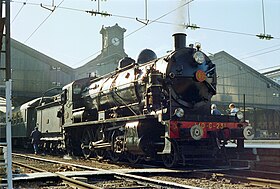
179, 40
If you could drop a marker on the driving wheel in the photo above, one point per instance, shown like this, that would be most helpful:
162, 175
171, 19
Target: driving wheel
100, 153
114, 156
86, 143
133, 158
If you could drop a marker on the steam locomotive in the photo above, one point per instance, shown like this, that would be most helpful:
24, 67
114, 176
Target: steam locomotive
147, 109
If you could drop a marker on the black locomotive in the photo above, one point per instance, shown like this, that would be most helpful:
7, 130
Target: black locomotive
149, 109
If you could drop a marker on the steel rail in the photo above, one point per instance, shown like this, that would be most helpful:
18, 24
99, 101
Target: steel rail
253, 181
29, 167
257, 174
66, 180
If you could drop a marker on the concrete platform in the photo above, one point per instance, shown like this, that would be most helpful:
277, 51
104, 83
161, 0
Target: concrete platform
263, 159
263, 141
259, 144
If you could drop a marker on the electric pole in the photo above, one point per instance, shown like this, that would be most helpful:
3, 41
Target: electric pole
6, 38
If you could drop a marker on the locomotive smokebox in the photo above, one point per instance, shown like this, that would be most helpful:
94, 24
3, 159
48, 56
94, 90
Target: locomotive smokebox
179, 40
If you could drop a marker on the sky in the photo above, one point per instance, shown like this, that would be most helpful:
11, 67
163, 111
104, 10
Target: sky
71, 36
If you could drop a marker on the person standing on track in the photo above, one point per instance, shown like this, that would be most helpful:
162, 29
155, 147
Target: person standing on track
36, 137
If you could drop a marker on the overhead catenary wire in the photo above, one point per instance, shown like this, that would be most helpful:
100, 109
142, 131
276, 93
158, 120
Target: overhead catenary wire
232, 75
152, 21
199, 27
162, 22
271, 67
256, 51
182, 25
38, 27
24, 3
156, 21
239, 74
243, 73
42, 22
111, 15
260, 53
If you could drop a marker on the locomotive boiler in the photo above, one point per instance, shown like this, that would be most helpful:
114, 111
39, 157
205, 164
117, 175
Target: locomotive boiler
186, 77
148, 109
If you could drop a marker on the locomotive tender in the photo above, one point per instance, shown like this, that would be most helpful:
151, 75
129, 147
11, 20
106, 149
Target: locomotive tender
153, 108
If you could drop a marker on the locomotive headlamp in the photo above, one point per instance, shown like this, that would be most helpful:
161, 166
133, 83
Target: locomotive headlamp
239, 115
179, 112
199, 57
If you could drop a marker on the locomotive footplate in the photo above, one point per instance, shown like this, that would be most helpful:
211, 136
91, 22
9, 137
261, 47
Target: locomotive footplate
110, 121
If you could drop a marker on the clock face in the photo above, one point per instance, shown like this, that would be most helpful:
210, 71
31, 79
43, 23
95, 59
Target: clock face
115, 41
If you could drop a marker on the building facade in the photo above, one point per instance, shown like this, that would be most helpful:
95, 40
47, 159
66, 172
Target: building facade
273, 74
240, 84
33, 73
112, 51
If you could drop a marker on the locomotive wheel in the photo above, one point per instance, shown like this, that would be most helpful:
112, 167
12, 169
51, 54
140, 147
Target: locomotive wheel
99, 135
86, 143
171, 160
113, 156
133, 158
112, 152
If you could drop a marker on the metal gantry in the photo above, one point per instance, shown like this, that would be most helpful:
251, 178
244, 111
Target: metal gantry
6, 50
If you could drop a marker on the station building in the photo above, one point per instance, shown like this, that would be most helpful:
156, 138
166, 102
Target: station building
33, 73
112, 51
272, 73
245, 87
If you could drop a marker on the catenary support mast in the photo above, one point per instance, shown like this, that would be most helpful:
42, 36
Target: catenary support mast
6, 50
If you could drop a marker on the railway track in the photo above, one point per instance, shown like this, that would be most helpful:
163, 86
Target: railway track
155, 177
261, 179
138, 181
67, 181
253, 181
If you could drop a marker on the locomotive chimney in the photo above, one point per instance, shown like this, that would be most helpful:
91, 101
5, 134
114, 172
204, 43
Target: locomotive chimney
179, 40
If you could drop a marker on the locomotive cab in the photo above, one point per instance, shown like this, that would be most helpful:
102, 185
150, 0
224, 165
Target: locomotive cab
74, 106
